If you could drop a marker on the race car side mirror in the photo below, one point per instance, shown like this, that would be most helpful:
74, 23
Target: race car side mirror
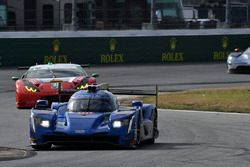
14, 78
42, 104
95, 75
237, 50
137, 103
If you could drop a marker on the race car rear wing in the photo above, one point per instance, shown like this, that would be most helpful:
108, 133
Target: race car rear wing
27, 67
134, 92
116, 91
138, 92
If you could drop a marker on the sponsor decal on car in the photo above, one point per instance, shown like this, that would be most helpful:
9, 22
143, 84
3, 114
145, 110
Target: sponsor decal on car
79, 131
86, 113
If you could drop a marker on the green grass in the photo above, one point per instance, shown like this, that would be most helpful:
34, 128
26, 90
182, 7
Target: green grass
222, 100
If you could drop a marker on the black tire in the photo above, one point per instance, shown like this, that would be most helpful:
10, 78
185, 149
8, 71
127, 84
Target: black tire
42, 147
155, 128
151, 141
231, 71
138, 137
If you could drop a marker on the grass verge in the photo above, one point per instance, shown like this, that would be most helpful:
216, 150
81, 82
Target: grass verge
223, 100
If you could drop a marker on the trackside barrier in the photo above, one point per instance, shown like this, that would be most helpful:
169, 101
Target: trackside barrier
119, 49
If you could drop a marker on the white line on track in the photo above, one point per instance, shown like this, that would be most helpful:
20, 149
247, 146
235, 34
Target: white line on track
205, 112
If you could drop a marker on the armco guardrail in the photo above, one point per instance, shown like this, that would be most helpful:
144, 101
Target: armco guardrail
118, 47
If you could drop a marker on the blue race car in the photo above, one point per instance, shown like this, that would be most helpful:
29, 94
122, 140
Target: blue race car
91, 116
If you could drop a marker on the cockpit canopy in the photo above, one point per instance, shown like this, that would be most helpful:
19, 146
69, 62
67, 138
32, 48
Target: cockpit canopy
92, 105
92, 101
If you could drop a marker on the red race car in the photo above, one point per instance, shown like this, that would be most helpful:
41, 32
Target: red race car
42, 82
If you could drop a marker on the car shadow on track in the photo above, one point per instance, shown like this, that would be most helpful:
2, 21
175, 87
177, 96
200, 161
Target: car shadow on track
169, 146
85, 147
108, 147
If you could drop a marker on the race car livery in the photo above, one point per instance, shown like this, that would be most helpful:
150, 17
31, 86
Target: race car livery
41, 82
92, 116
238, 61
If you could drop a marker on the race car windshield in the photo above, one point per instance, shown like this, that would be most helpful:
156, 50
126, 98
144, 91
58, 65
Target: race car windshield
247, 51
91, 105
54, 73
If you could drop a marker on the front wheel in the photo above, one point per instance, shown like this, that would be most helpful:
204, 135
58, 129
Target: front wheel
151, 141
231, 71
137, 140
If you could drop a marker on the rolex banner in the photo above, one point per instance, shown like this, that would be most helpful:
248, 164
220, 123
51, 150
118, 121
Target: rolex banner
119, 50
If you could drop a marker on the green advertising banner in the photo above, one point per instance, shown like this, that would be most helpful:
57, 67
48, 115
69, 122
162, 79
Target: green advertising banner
119, 50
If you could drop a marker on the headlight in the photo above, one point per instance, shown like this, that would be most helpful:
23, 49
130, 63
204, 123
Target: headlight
230, 58
117, 124
82, 87
45, 123
244, 56
31, 89
120, 123
39, 121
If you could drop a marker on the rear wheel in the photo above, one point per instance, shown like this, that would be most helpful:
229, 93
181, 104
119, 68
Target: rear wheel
155, 129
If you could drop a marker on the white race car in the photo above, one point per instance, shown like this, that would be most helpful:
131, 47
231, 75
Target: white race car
238, 61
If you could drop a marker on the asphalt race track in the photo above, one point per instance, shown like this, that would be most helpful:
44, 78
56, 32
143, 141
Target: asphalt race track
192, 139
